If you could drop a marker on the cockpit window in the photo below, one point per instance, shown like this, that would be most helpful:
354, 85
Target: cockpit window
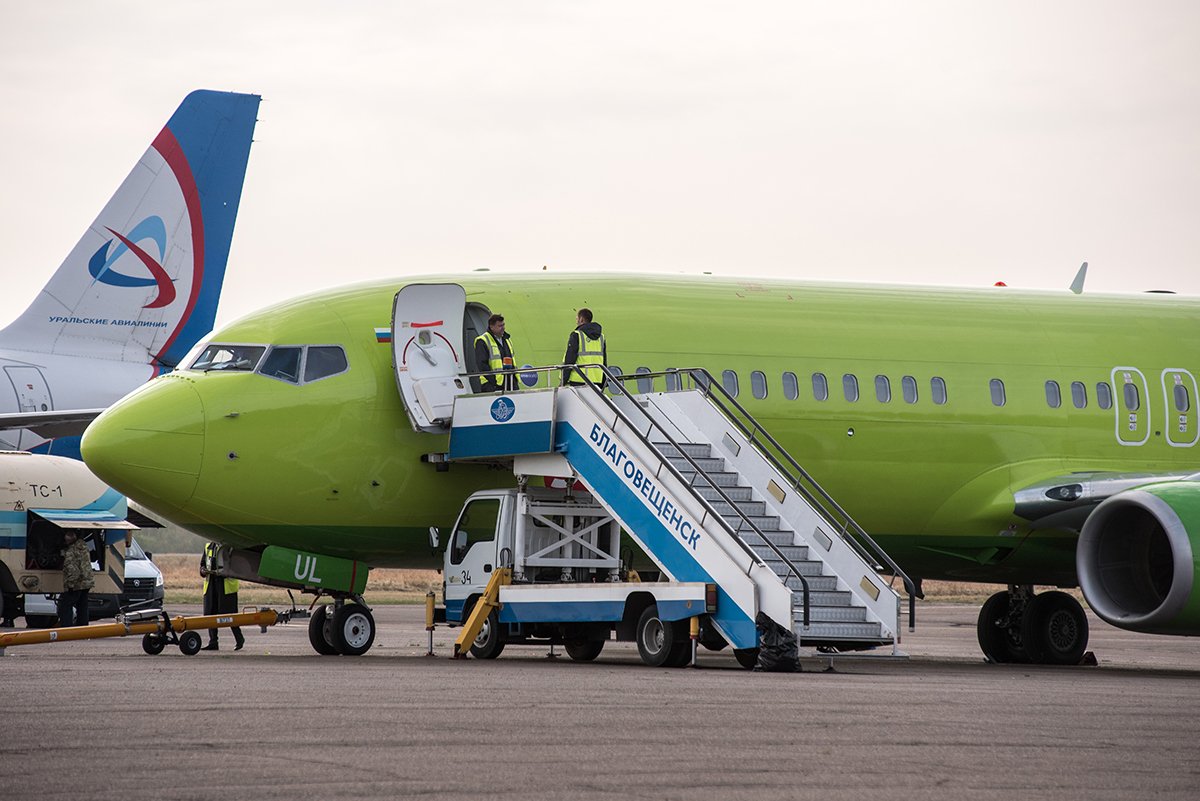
322, 361
282, 363
229, 357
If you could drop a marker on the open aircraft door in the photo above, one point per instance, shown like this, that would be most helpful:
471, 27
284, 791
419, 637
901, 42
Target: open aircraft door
1132, 406
1179, 392
427, 350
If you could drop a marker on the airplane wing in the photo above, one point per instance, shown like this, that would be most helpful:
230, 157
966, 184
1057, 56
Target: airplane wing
63, 423
1066, 501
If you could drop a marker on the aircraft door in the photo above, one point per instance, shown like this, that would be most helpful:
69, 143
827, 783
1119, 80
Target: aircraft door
1179, 395
1133, 412
33, 395
471, 552
427, 350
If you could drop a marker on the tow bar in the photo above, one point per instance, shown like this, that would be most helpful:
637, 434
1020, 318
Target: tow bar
157, 629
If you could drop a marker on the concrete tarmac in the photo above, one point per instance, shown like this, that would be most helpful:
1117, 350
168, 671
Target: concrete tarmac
100, 720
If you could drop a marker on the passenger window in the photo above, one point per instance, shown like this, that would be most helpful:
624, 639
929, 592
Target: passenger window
791, 386
850, 387
937, 389
820, 386
1132, 400
282, 363
1104, 395
613, 385
1079, 394
997, 392
1053, 395
644, 384
1182, 402
883, 389
322, 361
908, 386
758, 384
729, 380
674, 383
477, 523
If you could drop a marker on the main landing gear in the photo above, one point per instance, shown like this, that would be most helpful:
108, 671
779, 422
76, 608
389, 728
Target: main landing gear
1045, 629
344, 627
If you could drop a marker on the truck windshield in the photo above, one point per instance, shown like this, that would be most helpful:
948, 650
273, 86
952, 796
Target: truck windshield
134, 551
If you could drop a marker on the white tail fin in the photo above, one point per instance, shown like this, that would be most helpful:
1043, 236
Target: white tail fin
142, 284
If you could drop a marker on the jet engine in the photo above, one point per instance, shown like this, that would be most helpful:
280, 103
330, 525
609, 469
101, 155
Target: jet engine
1137, 559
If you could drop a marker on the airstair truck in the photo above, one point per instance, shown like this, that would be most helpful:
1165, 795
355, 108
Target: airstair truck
40, 498
563, 581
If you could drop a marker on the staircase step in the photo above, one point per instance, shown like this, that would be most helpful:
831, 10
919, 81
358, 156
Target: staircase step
721, 479
831, 614
698, 450
818, 597
819, 633
761, 523
815, 583
736, 494
748, 508
796, 554
704, 463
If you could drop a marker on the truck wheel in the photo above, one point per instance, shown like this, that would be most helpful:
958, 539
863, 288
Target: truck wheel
353, 630
153, 644
681, 652
316, 631
189, 643
655, 638
746, 657
584, 650
489, 642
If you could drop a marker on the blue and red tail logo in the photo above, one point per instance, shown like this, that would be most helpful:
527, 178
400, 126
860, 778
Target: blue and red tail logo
102, 261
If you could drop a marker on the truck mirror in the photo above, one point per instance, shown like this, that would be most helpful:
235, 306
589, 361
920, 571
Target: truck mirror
434, 536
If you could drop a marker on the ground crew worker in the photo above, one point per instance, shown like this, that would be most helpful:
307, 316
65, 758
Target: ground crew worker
586, 350
220, 596
494, 351
77, 581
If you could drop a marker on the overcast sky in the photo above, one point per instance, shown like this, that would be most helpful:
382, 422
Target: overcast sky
918, 142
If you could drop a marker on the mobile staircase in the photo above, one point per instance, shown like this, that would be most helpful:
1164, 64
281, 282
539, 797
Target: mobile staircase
708, 494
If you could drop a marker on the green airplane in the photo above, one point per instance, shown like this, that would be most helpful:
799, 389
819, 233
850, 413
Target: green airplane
993, 435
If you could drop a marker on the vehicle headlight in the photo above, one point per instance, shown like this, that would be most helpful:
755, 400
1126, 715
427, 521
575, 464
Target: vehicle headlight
158, 580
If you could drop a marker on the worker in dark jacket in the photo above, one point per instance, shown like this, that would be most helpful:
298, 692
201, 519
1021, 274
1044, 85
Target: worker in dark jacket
78, 580
220, 597
586, 350
494, 351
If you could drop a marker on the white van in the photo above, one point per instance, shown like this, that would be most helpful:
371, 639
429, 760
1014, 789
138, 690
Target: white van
143, 583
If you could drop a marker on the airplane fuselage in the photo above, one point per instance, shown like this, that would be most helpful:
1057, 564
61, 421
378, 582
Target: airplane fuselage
927, 458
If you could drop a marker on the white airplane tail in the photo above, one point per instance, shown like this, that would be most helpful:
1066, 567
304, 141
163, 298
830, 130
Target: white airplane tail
143, 283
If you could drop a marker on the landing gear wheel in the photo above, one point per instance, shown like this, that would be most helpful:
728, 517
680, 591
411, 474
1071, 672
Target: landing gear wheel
316, 631
655, 638
353, 630
153, 644
1055, 629
489, 642
746, 657
189, 643
584, 650
999, 637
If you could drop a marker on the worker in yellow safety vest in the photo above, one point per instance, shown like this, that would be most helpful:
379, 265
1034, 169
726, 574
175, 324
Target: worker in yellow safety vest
494, 351
220, 596
586, 350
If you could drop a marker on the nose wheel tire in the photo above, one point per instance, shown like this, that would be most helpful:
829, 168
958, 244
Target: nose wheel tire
316, 631
352, 630
1055, 629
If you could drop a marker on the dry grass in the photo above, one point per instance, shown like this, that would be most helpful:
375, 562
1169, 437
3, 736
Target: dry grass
388, 586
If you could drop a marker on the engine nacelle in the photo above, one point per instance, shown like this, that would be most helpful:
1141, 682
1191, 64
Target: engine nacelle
1137, 559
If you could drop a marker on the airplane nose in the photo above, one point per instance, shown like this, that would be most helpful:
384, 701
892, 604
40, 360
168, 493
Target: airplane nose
149, 445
